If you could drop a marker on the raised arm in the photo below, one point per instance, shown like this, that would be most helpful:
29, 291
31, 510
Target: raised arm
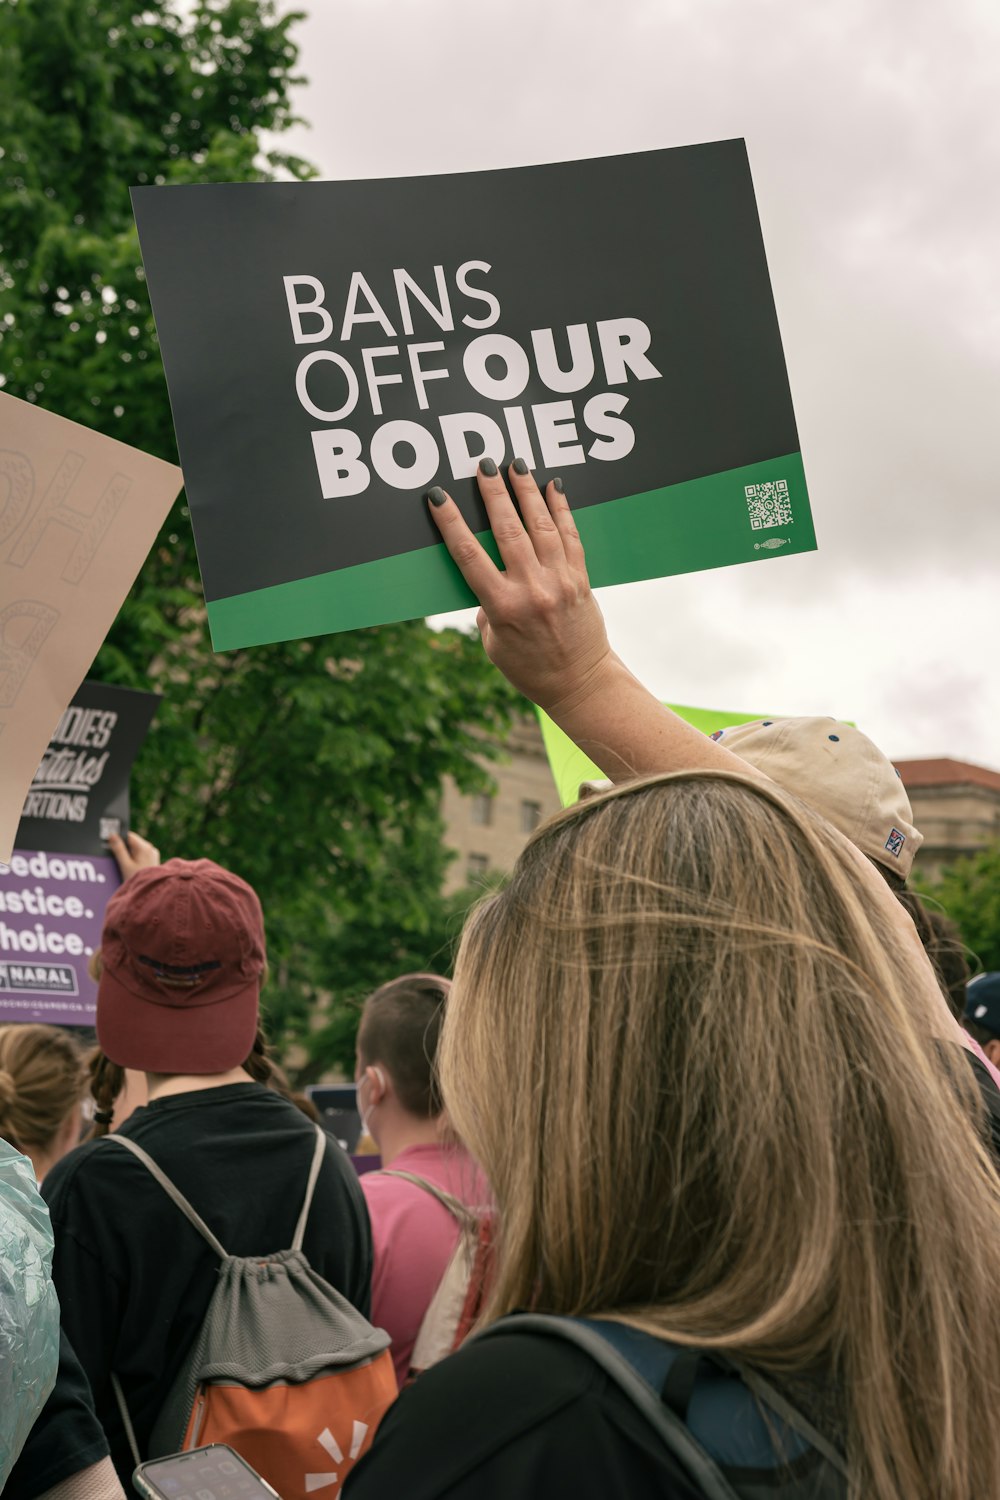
542, 627
133, 853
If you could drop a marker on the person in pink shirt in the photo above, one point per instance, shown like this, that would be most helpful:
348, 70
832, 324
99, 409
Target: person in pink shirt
415, 1228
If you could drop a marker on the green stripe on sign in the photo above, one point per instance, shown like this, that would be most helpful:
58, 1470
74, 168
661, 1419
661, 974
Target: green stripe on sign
683, 528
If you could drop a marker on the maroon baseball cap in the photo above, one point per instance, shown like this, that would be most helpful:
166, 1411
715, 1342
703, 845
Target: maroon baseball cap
182, 957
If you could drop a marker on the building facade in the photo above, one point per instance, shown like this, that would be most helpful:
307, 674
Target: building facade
489, 832
956, 806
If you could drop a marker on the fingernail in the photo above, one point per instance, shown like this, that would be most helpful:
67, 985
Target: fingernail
557, 485
437, 495
519, 466
488, 468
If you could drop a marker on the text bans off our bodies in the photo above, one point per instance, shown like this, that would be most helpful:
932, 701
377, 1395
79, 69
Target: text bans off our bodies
495, 366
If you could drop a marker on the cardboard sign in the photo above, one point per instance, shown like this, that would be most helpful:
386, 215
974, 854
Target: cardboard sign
51, 915
79, 794
569, 765
333, 349
78, 513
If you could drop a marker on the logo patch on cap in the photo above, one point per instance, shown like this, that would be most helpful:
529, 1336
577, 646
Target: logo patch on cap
894, 843
717, 735
180, 976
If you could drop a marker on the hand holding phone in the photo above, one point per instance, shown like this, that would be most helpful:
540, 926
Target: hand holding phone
213, 1473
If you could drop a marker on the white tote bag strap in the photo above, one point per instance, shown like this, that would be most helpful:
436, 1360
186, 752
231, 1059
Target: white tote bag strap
460, 1211
317, 1162
436, 1335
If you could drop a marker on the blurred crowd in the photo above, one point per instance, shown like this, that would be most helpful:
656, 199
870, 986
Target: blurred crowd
687, 1178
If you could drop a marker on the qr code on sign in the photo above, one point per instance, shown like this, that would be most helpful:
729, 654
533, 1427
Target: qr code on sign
768, 504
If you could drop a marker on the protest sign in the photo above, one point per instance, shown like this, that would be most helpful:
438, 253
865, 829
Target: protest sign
51, 914
333, 349
569, 765
78, 514
54, 890
79, 794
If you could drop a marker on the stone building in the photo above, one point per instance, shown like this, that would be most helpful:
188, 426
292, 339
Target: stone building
489, 832
956, 806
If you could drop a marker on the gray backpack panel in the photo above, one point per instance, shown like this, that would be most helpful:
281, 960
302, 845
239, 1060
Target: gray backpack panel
259, 1307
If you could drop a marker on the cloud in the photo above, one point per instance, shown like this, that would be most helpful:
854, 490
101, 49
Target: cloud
874, 140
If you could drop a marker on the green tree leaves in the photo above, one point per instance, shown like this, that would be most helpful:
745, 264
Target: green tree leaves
312, 768
969, 891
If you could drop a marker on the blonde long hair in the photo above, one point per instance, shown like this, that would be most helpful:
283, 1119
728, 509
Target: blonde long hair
692, 1054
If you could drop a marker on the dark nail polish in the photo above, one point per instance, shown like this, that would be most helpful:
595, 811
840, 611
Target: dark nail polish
557, 485
487, 468
519, 466
437, 495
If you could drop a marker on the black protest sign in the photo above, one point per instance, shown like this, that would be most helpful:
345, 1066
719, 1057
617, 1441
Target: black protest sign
334, 349
80, 792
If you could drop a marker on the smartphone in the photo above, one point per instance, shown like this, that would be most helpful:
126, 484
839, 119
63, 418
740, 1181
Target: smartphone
213, 1473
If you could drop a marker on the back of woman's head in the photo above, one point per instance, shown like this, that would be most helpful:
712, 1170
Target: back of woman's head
718, 1112
42, 1079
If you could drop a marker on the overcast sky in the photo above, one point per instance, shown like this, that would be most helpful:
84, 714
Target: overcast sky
874, 137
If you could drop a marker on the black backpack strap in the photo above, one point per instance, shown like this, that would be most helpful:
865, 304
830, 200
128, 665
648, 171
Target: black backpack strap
790, 1415
675, 1435
678, 1387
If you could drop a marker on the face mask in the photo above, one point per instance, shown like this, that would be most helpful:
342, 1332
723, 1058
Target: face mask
367, 1114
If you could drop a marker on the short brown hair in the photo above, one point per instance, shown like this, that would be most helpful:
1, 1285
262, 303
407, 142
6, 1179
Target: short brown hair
400, 1027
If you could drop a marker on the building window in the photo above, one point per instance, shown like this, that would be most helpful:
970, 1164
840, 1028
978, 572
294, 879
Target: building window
531, 816
477, 867
482, 809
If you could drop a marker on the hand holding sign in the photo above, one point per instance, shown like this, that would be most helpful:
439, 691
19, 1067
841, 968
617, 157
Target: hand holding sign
333, 348
543, 628
135, 854
78, 513
539, 620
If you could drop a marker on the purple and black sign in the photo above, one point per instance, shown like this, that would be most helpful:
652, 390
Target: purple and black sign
60, 879
80, 791
51, 913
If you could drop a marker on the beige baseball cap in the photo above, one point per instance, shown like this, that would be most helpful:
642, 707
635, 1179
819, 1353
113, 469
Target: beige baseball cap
838, 771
